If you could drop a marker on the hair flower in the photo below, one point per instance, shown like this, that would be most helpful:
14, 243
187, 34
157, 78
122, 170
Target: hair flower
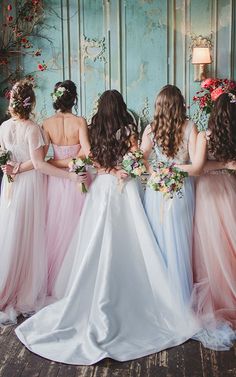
26, 102
58, 93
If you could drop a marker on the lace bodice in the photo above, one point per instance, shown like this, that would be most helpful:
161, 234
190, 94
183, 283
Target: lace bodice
20, 137
65, 151
182, 156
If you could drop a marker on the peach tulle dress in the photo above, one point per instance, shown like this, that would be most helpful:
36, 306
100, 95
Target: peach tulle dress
214, 248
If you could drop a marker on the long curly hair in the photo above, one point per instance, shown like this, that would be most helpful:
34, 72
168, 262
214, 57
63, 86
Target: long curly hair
22, 99
110, 130
222, 126
169, 119
65, 102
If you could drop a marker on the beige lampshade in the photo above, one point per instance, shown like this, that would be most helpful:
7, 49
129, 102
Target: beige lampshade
201, 55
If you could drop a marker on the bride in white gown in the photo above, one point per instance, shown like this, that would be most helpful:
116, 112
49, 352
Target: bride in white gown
118, 302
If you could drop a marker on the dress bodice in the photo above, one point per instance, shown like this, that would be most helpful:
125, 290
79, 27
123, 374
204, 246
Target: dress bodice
182, 156
19, 137
65, 151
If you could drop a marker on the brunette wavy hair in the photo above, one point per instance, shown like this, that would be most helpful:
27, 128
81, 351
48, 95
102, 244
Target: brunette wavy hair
111, 130
222, 124
22, 99
69, 97
169, 118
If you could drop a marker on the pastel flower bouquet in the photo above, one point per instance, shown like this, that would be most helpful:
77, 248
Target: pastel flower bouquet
204, 99
168, 180
5, 156
133, 163
79, 165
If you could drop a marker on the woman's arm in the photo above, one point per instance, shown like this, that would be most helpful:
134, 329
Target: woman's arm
47, 139
146, 146
84, 137
197, 152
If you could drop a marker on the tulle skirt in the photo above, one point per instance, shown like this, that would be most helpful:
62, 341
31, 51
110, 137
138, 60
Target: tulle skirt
214, 252
23, 267
172, 224
118, 302
64, 204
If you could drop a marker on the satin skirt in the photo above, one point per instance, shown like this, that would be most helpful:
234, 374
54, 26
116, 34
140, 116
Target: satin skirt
118, 302
172, 224
214, 249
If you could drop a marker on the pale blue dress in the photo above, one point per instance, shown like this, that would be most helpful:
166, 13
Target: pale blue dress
172, 221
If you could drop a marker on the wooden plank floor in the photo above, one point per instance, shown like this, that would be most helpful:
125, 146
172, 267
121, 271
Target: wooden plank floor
188, 360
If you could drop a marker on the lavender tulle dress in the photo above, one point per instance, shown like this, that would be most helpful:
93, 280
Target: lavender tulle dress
172, 222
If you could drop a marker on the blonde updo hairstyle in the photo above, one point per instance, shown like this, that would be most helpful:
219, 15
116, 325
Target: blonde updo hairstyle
22, 100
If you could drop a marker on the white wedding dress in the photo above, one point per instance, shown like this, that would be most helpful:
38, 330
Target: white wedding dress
118, 302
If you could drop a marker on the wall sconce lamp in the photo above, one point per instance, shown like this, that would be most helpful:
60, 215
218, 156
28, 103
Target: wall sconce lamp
201, 57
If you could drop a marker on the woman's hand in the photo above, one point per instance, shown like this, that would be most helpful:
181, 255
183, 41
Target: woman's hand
8, 169
121, 174
78, 178
231, 165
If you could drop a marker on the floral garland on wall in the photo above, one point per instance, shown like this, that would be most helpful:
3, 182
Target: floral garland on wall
23, 27
205, 97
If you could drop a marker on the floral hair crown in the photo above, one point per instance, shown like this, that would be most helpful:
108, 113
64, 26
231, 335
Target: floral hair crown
25, 103
232, 97
58, 93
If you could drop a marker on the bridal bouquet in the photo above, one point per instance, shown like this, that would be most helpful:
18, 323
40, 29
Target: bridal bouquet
79, 165
133, 164
4, 158
167, 179
210, 90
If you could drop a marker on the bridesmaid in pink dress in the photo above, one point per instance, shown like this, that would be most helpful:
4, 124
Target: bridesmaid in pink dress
214, 247
23, 267
66, 133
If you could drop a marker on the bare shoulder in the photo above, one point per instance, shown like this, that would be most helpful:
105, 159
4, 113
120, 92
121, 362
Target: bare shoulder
7, 123
81, 120
48, 122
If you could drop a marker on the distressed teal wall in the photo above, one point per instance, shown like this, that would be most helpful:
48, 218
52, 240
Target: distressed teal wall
142, 45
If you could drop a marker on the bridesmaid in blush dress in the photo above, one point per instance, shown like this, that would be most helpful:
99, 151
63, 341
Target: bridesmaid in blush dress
23, 267
67, 133
214, 247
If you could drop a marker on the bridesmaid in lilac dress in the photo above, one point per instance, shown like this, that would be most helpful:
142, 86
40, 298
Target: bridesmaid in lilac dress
66, 133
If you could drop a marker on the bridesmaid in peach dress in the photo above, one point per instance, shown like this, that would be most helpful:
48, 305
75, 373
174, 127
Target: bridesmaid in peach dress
214, 247
67, 133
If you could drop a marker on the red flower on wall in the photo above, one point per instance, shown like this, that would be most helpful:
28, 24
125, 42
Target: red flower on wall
204, 98
9, 18
9, 7
42, 67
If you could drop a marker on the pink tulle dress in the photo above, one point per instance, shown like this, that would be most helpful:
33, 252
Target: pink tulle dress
23, 262
214, 251
64, 205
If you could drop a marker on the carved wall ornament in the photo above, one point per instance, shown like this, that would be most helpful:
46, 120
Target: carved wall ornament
93, 48
200, 41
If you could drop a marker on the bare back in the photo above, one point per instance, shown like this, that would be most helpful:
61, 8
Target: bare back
63, 129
